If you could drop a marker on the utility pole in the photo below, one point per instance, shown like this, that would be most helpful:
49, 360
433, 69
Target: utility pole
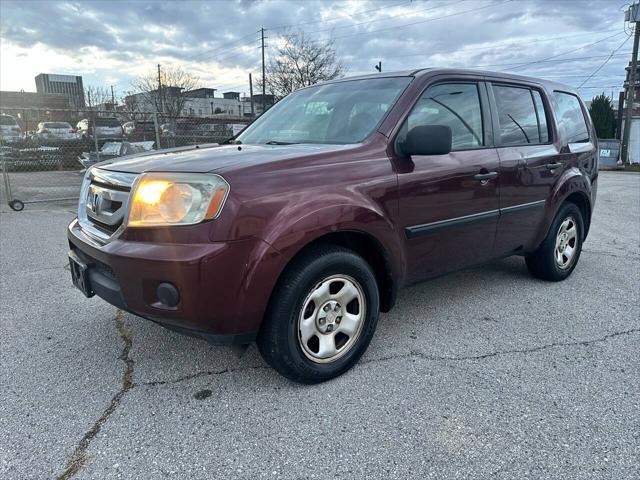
253, 112
113, 101
633, 16
264, 78
160, 91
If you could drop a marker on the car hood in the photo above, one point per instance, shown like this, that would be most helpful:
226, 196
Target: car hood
217, 159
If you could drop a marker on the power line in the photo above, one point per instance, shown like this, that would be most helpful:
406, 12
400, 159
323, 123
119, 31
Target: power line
222, 47
605, 62
569, 51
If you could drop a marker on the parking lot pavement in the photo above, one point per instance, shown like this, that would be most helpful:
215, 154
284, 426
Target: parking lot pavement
486, 372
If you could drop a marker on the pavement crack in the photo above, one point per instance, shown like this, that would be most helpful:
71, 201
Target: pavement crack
525, 351
79, 457
204, 373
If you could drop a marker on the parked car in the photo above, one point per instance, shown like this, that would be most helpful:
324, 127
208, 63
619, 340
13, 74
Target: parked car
55, 131
106, 128
303, 229
10, 131
141, 131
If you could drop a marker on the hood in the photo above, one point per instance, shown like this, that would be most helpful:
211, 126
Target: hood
218, 159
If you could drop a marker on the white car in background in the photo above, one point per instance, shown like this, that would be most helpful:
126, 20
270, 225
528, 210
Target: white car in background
10, 131
61, 131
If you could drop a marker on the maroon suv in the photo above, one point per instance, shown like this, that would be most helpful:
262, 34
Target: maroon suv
299, 232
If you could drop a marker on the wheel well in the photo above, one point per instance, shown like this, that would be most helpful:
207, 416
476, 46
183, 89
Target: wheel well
581, 201
373, 252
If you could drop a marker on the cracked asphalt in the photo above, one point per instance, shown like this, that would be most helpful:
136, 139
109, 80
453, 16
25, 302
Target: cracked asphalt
482, 373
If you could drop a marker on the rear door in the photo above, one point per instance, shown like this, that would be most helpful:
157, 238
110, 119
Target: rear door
449, 203
530, 162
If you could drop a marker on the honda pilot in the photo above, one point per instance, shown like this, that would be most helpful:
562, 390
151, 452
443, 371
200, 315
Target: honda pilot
301, 230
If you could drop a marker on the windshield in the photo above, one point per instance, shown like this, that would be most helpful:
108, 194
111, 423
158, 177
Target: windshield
336, 113
107, 122
7, 120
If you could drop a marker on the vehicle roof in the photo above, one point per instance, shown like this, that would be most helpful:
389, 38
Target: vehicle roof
424, 72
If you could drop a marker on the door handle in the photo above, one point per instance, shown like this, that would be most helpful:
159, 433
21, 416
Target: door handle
553, 166
484, 177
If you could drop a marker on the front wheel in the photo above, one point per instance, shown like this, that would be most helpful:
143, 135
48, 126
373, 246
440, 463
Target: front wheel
557, 256
322, 315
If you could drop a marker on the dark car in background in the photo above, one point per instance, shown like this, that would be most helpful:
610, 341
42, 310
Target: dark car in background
105, 128
140, 131
300, 232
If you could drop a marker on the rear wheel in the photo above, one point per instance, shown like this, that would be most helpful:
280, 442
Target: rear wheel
322, 315
558, 254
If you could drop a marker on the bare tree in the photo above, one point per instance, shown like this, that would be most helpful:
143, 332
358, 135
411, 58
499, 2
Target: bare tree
166, 98
96, 96
300, 62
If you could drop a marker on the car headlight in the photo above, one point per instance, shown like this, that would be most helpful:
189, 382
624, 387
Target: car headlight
161, 199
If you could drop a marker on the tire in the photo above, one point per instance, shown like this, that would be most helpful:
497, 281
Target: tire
299, 343
547, 262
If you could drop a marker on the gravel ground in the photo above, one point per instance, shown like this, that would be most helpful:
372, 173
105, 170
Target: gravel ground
486, 372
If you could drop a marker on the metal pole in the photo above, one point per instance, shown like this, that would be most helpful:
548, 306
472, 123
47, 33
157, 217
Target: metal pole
253, 112
155, 124
113, 99
160, 91
264, 78
630, 96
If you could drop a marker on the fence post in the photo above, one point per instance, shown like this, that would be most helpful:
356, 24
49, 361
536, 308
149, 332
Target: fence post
155, 124
94, 132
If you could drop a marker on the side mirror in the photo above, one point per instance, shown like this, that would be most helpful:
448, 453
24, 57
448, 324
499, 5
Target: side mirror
428, 140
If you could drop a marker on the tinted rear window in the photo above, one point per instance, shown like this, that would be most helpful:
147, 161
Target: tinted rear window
7, 120
107, 122
571, 122
56, 125
517, 116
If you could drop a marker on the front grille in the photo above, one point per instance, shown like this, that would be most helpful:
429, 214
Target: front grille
104, 201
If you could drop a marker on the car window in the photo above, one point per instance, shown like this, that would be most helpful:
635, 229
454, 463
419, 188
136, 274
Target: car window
332, 113
543, 127
107, 122
7, 120
456, 105
56, 125
517, 116
571, 121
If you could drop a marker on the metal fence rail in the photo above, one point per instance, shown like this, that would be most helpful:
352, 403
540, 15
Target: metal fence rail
44, 152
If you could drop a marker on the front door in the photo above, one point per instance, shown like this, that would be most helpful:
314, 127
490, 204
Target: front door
448, 204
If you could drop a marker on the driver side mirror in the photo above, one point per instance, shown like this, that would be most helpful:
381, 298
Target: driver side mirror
428, 140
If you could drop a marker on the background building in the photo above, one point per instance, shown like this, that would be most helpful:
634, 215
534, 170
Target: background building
68, 85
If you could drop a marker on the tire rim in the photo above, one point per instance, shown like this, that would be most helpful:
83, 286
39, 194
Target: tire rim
331, 318
566, 243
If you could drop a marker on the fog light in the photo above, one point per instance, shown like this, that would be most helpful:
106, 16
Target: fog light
168, 294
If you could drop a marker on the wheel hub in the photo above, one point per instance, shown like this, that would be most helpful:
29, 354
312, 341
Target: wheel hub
328, 317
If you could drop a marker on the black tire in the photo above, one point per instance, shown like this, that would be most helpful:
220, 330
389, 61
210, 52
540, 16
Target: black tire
542, 263
278, 339
16, 205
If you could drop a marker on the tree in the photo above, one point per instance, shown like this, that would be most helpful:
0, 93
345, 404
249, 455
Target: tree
604, 119
300, 62
96, 96
169, 98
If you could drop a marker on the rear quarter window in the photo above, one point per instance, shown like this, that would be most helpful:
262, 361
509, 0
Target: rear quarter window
7, 120
571, 122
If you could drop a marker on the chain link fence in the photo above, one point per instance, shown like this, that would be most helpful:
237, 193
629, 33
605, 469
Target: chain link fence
45, 152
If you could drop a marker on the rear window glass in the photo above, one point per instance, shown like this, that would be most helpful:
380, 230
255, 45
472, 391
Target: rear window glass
7, 120
107, 122
571, 122
517, 116
56, 125
542, 117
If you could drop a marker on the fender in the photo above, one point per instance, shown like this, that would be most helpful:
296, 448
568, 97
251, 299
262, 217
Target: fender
573, 180
287, 234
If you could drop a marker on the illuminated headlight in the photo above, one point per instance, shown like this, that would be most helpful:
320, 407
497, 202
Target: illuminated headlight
161, 199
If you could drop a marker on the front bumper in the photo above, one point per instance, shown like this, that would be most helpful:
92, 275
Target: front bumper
215, 298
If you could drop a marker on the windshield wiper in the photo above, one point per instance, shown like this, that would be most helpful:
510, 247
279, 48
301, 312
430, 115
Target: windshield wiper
277, 142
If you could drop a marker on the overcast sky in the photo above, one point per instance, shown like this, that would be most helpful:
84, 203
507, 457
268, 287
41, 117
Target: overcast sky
111, 43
